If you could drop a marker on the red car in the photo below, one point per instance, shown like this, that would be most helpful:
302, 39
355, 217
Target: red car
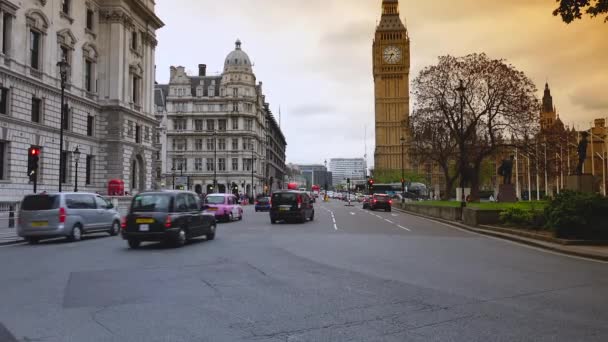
379, 201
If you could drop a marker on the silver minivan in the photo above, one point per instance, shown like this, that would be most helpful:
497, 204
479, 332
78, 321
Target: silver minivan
50, 215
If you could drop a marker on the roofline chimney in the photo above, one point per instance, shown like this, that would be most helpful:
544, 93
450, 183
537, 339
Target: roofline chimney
202, 70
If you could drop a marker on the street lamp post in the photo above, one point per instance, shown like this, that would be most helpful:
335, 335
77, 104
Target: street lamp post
461, 90
173, 171
253, 159
214, 162
76, 159
402, 167
63, 72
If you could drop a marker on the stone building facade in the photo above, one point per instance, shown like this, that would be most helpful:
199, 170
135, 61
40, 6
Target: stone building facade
109, 113
220, 133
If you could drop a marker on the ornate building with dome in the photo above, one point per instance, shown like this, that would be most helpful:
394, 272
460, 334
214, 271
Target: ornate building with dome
217, 132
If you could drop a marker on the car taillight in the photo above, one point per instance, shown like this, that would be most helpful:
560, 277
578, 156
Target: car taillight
390, 202
299, 201
62, 215
123, 222
168, 222
256, 202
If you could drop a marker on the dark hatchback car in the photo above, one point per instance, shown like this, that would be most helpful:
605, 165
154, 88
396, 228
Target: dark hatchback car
291, 205
170, 216
262, 204
381, 202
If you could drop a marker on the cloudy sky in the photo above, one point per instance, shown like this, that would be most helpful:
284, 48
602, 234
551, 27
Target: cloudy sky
314, 56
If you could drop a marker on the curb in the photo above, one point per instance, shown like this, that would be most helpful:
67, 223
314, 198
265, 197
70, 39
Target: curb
511, 237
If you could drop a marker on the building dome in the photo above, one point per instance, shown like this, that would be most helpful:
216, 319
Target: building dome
237, 60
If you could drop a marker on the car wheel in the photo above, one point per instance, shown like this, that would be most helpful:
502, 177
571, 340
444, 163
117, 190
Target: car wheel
231, 217
312, 217
241, 216
211, 236
273, 221
388, 210
180, 239
115, 228
33, 240
76, 234
134, 244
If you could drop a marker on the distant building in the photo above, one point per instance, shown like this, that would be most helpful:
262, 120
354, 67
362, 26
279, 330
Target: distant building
343, 168
316, 175
218, 128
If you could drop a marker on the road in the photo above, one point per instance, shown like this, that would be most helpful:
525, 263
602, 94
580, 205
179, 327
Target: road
371, 276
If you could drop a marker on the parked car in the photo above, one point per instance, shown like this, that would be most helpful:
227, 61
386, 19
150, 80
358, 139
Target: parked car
380, 201
226, 207
291, 205
170, 216
66, 214
262, 204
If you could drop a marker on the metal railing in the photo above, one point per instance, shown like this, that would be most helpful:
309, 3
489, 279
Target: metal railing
8, 214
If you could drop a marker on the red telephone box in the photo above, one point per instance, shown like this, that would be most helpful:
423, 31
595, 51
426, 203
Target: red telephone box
116, 187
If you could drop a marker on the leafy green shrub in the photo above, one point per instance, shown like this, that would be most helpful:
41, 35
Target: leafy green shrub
516, 217
575, 215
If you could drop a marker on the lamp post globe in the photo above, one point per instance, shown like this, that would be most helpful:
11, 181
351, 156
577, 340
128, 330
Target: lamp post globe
76, 154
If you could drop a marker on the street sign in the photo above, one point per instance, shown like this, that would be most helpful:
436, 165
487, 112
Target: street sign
181, 181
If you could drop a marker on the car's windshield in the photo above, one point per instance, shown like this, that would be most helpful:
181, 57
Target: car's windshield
284, 197
215, 200
263, 200
151, 203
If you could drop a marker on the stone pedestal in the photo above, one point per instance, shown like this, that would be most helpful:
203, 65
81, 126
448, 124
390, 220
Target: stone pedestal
507, 193
582, 183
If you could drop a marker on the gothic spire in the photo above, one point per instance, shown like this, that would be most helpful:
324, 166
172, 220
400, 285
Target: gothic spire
547, 100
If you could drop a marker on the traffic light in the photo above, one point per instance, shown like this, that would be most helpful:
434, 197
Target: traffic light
33, 156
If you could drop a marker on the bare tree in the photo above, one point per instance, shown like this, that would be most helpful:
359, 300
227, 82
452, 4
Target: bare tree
432, 141
482, 102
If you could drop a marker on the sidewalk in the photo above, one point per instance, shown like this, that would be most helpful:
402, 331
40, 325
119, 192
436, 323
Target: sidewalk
552, 244
9, 236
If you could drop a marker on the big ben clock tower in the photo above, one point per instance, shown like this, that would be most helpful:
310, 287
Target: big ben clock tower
391, 61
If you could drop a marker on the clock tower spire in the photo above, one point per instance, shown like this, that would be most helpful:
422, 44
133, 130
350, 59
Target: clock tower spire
391, 69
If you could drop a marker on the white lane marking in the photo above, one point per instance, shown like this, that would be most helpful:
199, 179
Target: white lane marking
395, 215
389, 221
352, 213
402, 227
335, 227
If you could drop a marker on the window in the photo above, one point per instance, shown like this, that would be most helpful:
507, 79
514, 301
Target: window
80, 202
134, 40
64, 166
210, 164
221, 164
65, 7
245, 144
90, 125
235, 164
247, 164
248, 107
235, 144
235, 107
135, 94
36, 110
66, 117
35, 49
179, 125
198, 164
6, 33
221, 144
90, 17
210, 145
147, 133
138, 134
89, 170
235, 124
198, 125
4, 101
235, 92
88, 75
210, 125
157, 155
249, 125
3, 160
179, 144
221, 125
198, 144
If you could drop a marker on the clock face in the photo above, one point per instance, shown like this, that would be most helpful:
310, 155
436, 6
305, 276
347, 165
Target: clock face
392, 54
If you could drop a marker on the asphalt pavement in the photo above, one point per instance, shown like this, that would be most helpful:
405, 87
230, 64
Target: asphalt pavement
350, 275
